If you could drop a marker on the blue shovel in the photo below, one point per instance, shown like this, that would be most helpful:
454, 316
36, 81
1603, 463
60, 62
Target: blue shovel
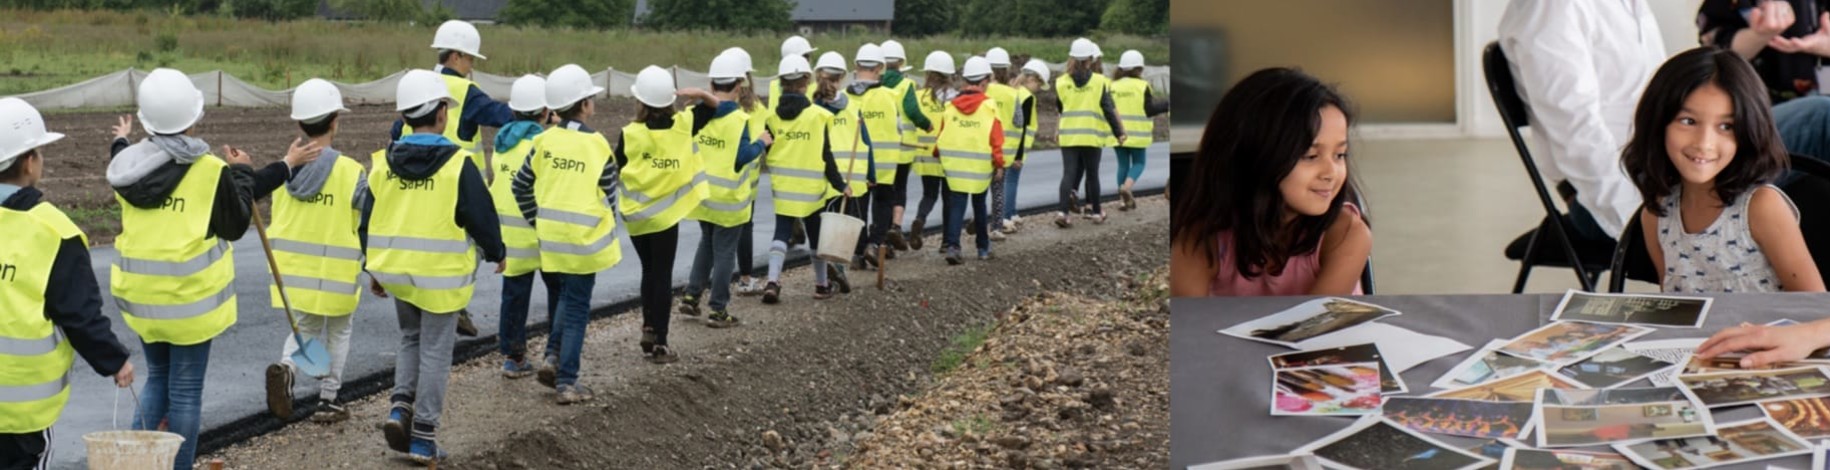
311, 356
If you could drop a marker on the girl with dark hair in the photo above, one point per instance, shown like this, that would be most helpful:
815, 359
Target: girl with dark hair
1271, 211
1703, 154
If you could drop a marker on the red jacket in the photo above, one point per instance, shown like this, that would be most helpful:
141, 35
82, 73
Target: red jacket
968, 102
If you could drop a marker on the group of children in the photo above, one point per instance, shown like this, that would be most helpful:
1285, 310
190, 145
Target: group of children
548, 203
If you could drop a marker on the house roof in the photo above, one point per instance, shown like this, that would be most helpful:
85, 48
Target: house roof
824, 10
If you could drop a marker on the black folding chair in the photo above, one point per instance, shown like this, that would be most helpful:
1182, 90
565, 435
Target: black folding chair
1538, 248
1366, 275
1809, 189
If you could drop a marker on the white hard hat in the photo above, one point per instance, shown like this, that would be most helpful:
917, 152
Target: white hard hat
868, 53
1131, 59
169, 102
793, 65
893, 50
315, 99
938, 61
727, 66
1083, 49
832, 60
977, 68
1038, 67
459, 36
748, 66
796, 45
418, 88
654, 87
569, 84
528, 94
21, 130
998, 57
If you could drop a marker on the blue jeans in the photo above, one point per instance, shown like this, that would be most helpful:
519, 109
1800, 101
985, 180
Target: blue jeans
517, 291
574, 313
1804, 126
1130, 164
714, 261
1012, 176
174, 393
956, 218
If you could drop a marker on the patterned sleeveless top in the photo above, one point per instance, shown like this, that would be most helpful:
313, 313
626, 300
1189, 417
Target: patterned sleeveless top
1721, 258
1297, 278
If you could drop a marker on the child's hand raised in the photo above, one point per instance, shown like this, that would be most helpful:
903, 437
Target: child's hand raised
235, 156
123, 127
1766, 344
298, 155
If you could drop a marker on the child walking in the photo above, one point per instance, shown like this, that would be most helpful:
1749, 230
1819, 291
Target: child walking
1137, 108
662, 181
731, 154
1271, 214
970, 142
936, 91
527, 98
803, 175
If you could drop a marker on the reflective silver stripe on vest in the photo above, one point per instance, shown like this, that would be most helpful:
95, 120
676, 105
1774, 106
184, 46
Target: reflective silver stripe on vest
569, 217
886, 167
425, 282
882, 147
513, 220
1137, 120
985, 156
929, 139
1013, 134
908, 126
322, 285
180, 311
35, 392
724, 206
786, 195
728, 183
1080, 114
1090, 132
174, 268
663, 204
314, 249
796, 173
637, 196
379, 242
31, 347
969, 175
932, 160
523, 253
577, 248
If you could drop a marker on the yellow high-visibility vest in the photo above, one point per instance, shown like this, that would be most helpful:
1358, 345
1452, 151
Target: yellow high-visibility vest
1128, 97
1031, 120
1007, 100
523, 255
415, 248
731, 192
34, 357
881, 114
797, 163
174, 282
459, 87
849, 150
664, 180
1082, 123
576, 228
911, 134
965, 148
316, 245
926, 164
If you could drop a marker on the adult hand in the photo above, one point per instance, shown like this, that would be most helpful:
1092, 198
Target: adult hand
1766, 345
124, 378
375, 288
123, 127
1817, 43
235, 156
1770, 18
299, 155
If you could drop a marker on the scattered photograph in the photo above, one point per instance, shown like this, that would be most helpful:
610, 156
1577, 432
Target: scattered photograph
1675, 351
1567, 342
1808, 418
1573, 418
1495, 448
1738, 442
1613, 367
1457, 417
1521, 388
1660, 310
1737, 388
1347, 389
1389, 383
1267, 462
1782, 322
1308, 320
1486, 365
1376, 443
1399, 347
1544, 459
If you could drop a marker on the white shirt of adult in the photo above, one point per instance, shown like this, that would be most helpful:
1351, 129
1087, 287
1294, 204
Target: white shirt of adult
1581, 67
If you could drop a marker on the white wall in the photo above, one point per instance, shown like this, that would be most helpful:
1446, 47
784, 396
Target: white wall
1477, 23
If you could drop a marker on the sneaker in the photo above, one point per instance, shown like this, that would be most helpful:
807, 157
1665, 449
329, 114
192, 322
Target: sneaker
515, 369
395, 428
722, 319
896, 240
1062, 221
889, 253
426, 451
689, 305
464, 326
1074, 199
996, 235
1098, 219
870, 262
279, 390
663, 355
914, 236
549, 372
838, 277
569, 394
329, 412
1130, 201
648, 341
953, 258
858, 263
750, 287
984, 255
822, 292
772, 294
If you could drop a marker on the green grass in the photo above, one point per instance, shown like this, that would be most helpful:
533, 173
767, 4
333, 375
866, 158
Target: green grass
962, 345
41, 50
977, 425
91, 218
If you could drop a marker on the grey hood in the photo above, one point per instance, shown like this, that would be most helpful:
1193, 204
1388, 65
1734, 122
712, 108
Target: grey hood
138, 160
307, 181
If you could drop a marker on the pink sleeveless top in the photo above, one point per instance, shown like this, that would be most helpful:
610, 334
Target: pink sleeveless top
1297, 279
